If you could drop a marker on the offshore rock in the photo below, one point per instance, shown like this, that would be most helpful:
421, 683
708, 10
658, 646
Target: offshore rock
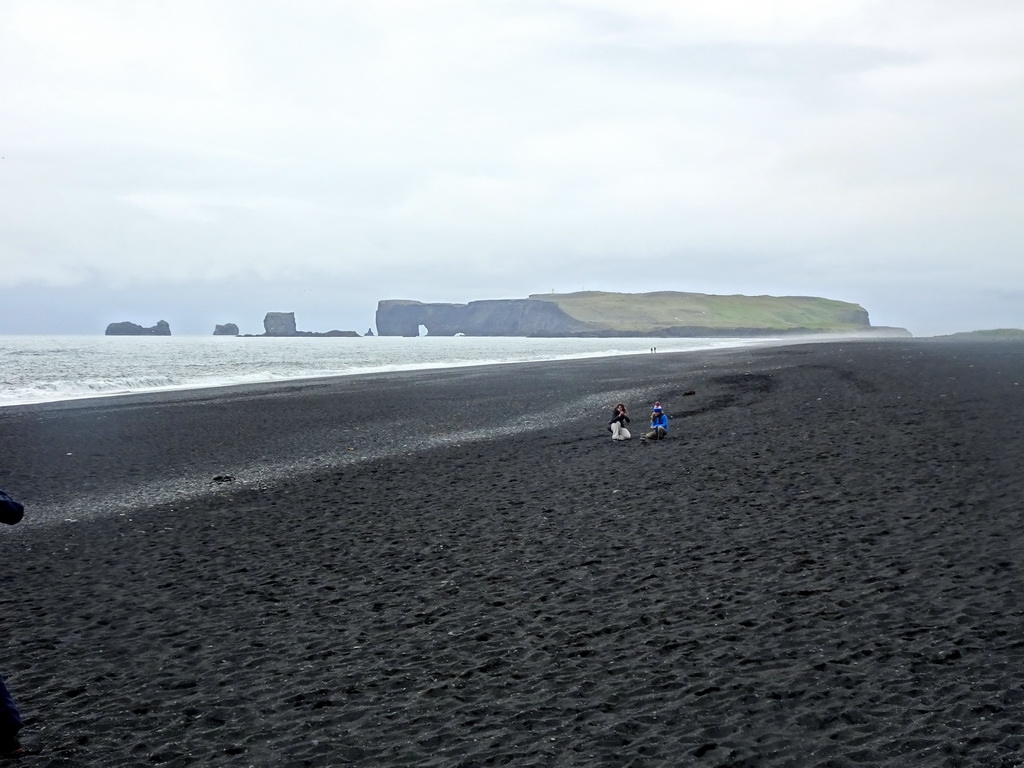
228, 329
162, 328
279, 324
283, 324
329, 334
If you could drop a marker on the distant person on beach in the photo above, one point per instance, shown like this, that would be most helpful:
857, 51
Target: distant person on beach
620, 418
11, 513
659, 424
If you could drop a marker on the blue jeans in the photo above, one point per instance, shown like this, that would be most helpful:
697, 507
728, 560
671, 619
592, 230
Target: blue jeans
10, 720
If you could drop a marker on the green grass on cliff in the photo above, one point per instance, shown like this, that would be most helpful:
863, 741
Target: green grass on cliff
1010, 334
666, 309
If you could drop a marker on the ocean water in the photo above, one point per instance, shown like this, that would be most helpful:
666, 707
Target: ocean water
37, 369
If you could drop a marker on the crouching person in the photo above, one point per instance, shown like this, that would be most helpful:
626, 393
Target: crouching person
617, 426
659, 424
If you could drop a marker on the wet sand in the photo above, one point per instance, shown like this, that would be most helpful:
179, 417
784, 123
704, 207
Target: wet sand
821, 567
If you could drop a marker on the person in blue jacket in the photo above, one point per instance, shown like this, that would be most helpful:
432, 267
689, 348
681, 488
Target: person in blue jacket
659, 424
11, 512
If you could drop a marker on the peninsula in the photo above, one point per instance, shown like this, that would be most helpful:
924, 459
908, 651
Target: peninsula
602, 314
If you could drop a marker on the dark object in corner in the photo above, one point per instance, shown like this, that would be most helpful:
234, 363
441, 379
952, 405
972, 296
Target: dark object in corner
132, 329
11, 511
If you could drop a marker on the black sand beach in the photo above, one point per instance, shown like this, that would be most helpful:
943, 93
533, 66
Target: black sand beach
821, 567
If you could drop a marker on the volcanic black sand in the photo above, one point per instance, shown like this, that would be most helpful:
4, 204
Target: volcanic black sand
821, 567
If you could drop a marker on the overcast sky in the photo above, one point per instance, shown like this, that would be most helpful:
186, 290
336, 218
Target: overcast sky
206, 162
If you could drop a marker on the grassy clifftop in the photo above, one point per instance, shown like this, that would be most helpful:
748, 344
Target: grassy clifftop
647, 312
659, 314
992, 334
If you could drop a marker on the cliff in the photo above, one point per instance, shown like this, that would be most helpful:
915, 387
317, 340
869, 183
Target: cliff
596, 314
499, 317
162, 328
228, 329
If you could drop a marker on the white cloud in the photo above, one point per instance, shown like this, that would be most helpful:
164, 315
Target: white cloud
480, 149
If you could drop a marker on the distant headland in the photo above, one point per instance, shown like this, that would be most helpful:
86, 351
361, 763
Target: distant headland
991, 334
665, 314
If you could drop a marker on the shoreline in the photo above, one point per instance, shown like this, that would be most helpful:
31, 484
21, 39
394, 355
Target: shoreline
70, 451
820, 567
95, 391
262, 432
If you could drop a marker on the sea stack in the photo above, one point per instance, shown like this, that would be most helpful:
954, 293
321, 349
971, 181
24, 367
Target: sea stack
279, 324
283, 324
162, 328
